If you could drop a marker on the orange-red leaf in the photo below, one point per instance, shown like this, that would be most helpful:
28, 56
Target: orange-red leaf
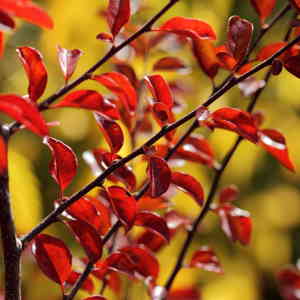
228, 194
263, 8
169, 64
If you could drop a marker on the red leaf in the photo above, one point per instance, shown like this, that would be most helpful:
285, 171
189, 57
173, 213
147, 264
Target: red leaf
53, 257
63, 165
205, 54
88, 238
160, 176
162, 114
160, 90
33, 64
236, 120
154, 222
151, 240
27, 11
267, 51
149, 203
111, 131
263, 8
121, 86
104, 36
274, 142
289, 283
3, 156
188, 27
123, 205
89, 99
239, 36
206, 259
118, 14
123, 173
95, 298
236, 223
292, 64
228, 194
296, 4
1, 43
169, 64
7, 23
184, 294
87, 285
190, 185
24, 112
68, 60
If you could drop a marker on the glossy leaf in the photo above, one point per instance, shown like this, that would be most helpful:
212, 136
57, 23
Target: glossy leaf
274, 142
263, 8
169, 63
68, 60
111, 131
206, 259
188, 27
160, 176
151, 240
118, 14
236, 120
123, 205
53, 257
153, 222
239, 36
6, 21
120, 85
24, 112
236, 223
89, 99
160, 90
87, 285
190, 185
27, 11
34, 66
63, 166
88, 238
228, 193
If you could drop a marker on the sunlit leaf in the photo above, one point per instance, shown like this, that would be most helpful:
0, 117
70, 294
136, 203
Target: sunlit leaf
263, 8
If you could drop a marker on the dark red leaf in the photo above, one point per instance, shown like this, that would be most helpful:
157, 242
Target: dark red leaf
88, 238
188, 27
118, 14
228, 194
129, 72
87, 285
236, 223
239, 36
263, 8
3, 156
24, 112
111, 131
63, 165
276, 67
27, 11
104, 36
120, 85
236, 120
162, 114
206, 259
53, 257
89, 99
68, 60
153, 222
151, 240
34, 66
123, 205
184, 294
274, 142
169, 64
289, 283
190, 185
292, 64
7, 23
160, 90
95, 298
160, 176
296, 4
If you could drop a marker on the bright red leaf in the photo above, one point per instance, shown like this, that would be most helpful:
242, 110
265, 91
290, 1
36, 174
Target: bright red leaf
3, 156
191, 293
289, 283
34, 66
88, 238
123, 205
151, 204
267, 51
169, 64
236, 120
190, 185
63, 165
206, 259
95, 298
53, 257
24, 112
160, 176
89, 99
87, 285
263, 8
111, 131
68, 60
274, 142
1, 43
153, 222
228, 194
239, 36
120, 85
236, 223
118, 14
